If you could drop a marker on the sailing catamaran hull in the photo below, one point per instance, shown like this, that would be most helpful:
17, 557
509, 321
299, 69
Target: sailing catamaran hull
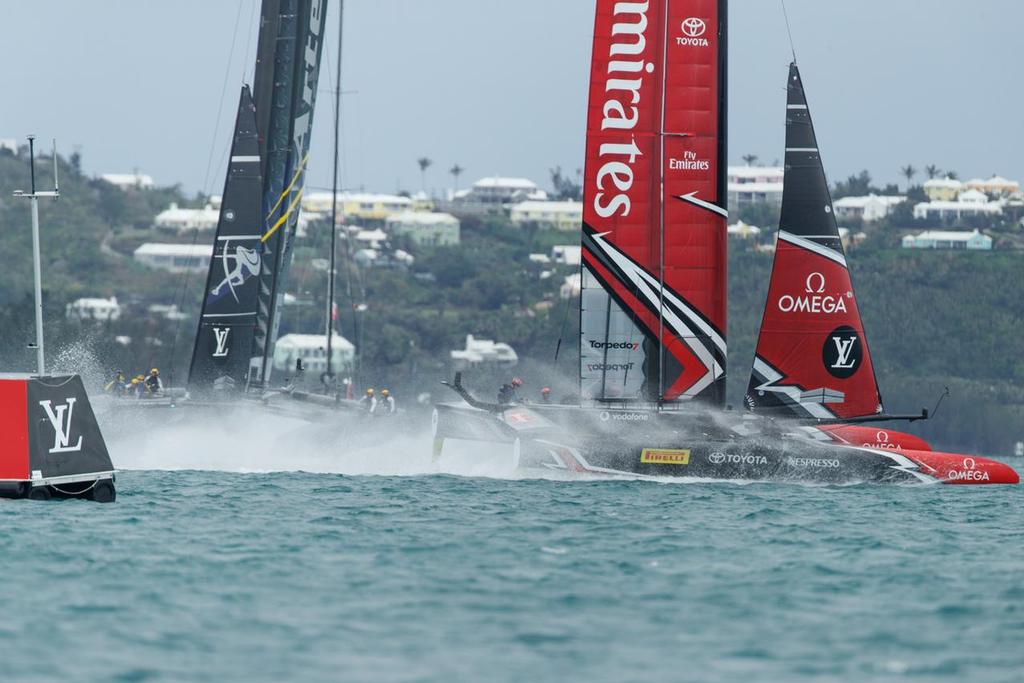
696, 445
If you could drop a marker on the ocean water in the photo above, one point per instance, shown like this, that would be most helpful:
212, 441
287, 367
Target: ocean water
376, 565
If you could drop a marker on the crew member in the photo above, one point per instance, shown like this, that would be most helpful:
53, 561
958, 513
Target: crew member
545, 395
386, 405
117, 385
153, 384
136, 387
509, 393
369, 401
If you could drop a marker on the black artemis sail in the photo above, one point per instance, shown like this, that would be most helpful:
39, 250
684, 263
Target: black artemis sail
220, 359
238, 325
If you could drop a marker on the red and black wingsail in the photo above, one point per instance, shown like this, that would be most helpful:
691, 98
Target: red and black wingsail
653, 308
812, 356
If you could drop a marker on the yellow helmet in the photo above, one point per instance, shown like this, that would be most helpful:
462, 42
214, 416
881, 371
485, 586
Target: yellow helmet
135, 380
385, 393
154, 371
369, 392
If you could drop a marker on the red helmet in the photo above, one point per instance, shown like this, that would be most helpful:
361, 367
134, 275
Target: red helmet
546, 390
516, 382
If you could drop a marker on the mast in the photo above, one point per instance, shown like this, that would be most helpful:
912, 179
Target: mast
290, 95
812, 358
653, 306
334, 195
33, 196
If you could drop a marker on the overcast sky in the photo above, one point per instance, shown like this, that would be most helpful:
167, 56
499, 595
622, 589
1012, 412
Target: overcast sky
500, 87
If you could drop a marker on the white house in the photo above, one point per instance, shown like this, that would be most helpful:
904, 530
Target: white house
425, 229
755, 185
498, 190
944, 239
129, 181
567, 254
869, 209
176, 219
969, 204
484, 351
176, 258
93, 309
312, 350
557, 215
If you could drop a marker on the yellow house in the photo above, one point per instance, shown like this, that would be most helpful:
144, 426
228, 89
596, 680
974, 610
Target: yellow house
363, 206
557, 215
943, 189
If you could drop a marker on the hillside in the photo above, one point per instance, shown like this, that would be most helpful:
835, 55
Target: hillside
934, 319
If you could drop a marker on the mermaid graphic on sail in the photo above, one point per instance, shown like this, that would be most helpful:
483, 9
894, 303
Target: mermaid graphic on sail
246, 263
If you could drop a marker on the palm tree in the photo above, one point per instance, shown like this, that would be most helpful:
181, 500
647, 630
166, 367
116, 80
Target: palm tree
456, 171
425, 163
749, 159
909, 172
952, 175
931, 170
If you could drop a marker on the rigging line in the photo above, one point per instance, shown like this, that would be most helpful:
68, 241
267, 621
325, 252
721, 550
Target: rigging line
789, 30
220, 107
180, 303
295, 179
248, 42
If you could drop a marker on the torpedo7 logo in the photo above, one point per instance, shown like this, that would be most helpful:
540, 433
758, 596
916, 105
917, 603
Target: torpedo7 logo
843, 352
613, 346
814, 299
60, 419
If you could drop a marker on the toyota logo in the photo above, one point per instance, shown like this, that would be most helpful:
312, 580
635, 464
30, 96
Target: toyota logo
815, 279
717, 458
694, 27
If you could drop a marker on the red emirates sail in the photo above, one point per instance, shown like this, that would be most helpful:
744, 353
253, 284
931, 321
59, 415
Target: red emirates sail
653, 308
812, 358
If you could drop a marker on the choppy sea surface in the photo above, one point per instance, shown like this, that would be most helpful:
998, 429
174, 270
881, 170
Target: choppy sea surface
375, 564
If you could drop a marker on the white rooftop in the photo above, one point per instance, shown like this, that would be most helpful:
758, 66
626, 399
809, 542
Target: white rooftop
944, 182
423, 218
752, 172
314, 341
163, 249
860, 202
513, 183
569, 207
128, 179
947, 235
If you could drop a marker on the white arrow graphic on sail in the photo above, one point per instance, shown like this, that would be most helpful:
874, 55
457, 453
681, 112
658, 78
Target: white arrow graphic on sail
651, 289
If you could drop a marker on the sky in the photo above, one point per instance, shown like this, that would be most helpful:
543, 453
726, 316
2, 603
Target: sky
500, 88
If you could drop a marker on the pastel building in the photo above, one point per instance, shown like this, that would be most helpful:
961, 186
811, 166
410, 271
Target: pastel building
552, 215
947, 239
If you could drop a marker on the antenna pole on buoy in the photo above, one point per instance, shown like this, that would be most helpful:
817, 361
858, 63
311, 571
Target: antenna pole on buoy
34, 196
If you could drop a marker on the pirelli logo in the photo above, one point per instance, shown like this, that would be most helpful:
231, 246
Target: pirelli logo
661, 456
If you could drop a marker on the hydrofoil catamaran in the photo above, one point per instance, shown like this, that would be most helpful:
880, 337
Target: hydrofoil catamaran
653, 302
